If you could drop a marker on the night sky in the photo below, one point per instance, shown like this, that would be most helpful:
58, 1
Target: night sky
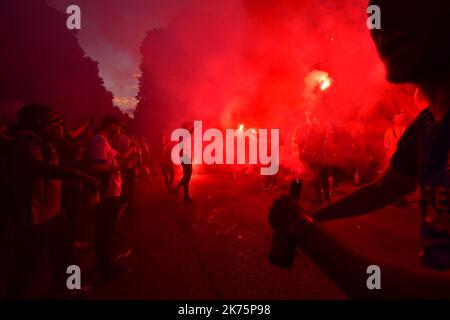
111, 33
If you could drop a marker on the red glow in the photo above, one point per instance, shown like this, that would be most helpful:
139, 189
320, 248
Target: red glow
326, 83
259, 66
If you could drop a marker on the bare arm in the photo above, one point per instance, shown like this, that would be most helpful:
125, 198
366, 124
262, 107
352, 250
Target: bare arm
45, 170
127, 154
75, 133
35, 166
347, 267
385, 190
345, 264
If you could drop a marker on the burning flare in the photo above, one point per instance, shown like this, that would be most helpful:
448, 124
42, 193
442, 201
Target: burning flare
326, 83
314, 79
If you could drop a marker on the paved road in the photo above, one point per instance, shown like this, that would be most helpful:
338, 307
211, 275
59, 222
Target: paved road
217, 247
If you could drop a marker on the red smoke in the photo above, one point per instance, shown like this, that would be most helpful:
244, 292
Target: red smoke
248, 62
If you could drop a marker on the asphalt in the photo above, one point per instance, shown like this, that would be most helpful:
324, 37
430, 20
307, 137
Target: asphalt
217, 247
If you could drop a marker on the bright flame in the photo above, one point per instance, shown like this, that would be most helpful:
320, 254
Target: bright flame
326, 83
316, 79
241, 127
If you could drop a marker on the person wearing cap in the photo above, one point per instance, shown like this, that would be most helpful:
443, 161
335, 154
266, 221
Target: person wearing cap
104, 164
186, 164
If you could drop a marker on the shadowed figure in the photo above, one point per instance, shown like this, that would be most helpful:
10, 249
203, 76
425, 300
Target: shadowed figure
165, 161
38, 224
413, 44
186, 163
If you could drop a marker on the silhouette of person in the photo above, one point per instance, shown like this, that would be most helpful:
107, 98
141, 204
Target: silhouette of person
39, 225
413, 44
165, 161
187, 172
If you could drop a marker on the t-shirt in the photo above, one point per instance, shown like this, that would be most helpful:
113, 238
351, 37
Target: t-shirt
423, 152
45, 193
102, 152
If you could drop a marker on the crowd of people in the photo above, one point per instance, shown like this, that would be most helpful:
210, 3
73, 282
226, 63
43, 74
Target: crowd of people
332, 156
49, 175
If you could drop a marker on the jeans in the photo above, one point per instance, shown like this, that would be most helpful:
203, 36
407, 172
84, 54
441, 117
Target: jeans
184, 182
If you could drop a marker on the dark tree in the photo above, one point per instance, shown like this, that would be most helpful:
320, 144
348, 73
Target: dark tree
42, 61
